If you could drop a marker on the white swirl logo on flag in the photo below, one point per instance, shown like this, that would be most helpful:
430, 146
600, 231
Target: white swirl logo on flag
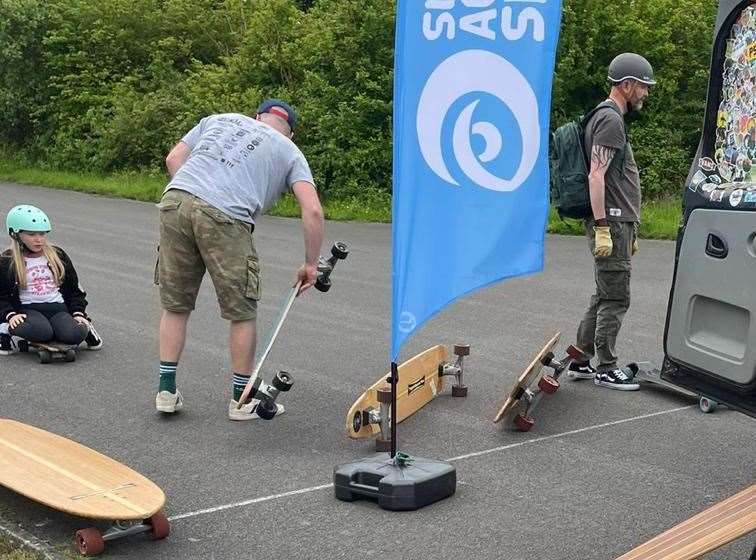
477, 71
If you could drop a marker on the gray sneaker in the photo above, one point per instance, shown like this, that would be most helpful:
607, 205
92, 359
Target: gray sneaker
616, 379
165, 401
249, 410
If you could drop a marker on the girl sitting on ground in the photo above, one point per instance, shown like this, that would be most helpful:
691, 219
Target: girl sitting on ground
40, 296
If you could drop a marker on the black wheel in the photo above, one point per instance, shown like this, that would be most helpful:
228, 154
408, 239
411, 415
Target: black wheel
340, 250
45, 357
459, 390
266, 410
70, 355
357, 421
323, 285
283, 381
23, 345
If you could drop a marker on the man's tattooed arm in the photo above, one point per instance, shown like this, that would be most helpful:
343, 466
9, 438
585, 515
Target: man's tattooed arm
601, 157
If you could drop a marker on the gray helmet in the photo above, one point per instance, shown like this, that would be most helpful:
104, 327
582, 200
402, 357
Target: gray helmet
631, 66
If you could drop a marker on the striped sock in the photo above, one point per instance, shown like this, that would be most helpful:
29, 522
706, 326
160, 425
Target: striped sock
168, 376
240, 381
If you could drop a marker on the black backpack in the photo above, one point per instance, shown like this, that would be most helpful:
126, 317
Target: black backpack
569, 166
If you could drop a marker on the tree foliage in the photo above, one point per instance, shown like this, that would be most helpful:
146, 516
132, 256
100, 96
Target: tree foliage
112, 84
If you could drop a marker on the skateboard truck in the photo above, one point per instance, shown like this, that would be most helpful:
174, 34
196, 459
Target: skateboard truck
382, 416
267, 394
339, 252
547, 384
283, 381
456, 370
91, 542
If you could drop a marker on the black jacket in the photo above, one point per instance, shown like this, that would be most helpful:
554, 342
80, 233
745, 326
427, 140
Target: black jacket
10, 301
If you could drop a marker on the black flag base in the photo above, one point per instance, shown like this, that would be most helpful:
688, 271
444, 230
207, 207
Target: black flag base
398, 484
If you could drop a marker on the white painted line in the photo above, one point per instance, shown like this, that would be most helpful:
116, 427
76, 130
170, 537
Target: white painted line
572, 432
458, 458
250, 502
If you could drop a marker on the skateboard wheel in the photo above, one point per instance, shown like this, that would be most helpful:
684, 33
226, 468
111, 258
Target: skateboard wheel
546, 360
340, 250
384, 395
283, 381
383, 445
23, 346
44, 357
88, 542
459, 390
323, 285
523, 423
576, 353
707, 405
70, 356
266, 410
548, 384
159, 525
357, 421
461, 349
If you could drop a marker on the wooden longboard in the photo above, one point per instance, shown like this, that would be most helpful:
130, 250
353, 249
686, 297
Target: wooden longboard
72, 478
525, 379
714, 527
419, 383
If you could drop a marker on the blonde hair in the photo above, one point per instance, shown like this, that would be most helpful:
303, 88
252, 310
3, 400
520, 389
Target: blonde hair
19, 265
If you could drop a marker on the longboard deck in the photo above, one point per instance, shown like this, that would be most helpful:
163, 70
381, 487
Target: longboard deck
419, 384
526, 378
714, 527
72, 478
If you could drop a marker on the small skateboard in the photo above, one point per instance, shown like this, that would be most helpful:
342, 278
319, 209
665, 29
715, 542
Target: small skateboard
722, 523
50, 351
546, 384
283, 381
421, 379
79, 481
645, 371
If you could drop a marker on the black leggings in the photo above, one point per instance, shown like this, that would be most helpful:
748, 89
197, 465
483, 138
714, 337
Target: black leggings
46, 322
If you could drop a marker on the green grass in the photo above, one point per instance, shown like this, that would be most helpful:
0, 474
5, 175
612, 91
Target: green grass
9, 550
660, 217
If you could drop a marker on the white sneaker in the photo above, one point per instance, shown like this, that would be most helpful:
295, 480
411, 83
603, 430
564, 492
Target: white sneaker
165, 401
249, 410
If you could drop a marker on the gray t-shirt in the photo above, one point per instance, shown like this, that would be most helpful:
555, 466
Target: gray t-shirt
240, 165
622, 193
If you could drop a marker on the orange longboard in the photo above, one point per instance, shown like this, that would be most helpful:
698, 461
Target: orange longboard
77, 480
722, 523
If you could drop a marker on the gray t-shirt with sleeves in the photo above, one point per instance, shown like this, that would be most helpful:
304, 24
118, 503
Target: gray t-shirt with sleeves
622, 192
240, 165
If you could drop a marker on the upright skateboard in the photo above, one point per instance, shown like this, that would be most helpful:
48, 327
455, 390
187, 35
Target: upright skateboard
547, 384
720, 524
79, 481
421, 379
257, 388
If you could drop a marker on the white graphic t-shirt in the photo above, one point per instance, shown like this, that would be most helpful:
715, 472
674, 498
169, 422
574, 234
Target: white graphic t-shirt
40, 283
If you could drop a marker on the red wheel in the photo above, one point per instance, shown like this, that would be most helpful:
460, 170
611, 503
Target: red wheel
523, 424
88, 542
548, 384
159, 525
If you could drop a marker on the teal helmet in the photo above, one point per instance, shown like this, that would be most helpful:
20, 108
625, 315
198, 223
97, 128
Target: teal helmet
26, 218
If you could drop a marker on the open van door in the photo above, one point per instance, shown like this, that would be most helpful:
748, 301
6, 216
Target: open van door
710, 333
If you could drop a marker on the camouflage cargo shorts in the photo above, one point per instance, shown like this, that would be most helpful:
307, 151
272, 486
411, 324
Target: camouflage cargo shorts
194, 237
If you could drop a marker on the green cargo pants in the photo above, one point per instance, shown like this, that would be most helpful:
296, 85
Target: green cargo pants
598, 331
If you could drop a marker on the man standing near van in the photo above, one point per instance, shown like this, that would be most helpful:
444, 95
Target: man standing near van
615, 192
